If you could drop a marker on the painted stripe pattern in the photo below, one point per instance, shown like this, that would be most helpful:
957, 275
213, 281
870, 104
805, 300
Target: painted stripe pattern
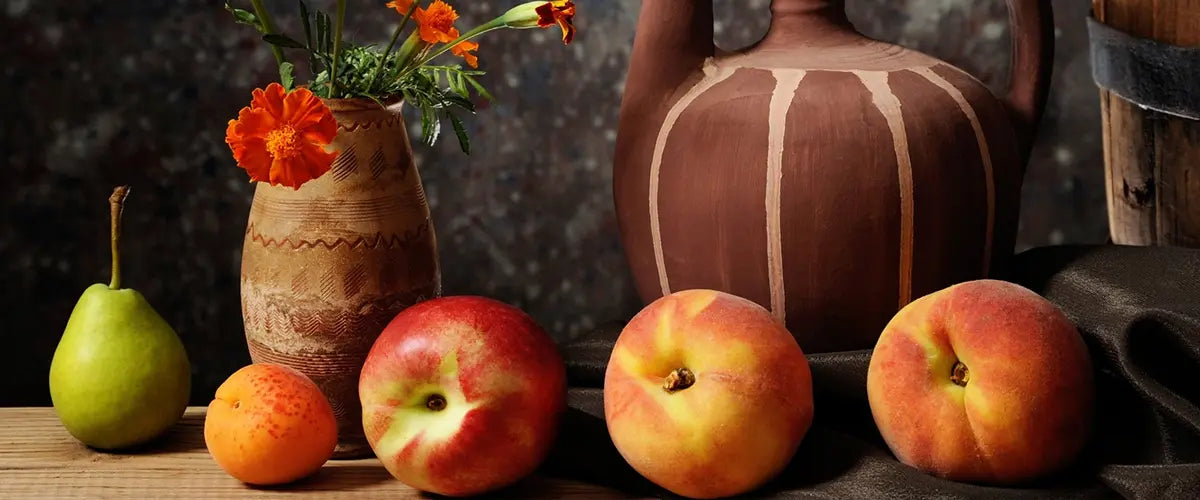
660, 147
888, 104
786, 85
984, 152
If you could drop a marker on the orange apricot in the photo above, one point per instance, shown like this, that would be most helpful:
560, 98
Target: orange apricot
269, 424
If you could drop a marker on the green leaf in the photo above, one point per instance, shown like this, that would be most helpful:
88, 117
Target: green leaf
451, 99
431, 127
464, 141
306, 21
244, 16
280, 40
287, 75
325, 28
460, 85
479, 89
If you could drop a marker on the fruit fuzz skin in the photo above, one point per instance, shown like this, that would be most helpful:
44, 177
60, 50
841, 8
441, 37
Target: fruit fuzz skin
707, 394
120, 376
983, 382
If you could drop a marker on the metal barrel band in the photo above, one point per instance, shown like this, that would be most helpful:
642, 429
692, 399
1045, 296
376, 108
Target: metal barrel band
1151, 74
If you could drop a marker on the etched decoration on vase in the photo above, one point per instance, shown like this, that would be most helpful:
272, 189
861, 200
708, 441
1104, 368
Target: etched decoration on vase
339, 238
827, 176
325, 267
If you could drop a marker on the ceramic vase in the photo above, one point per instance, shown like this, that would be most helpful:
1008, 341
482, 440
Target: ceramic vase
327, 266
827, 176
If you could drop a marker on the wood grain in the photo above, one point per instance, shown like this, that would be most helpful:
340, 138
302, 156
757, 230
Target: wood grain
38, 459
1152, 160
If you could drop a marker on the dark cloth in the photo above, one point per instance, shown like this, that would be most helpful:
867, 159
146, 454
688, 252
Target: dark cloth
1138, 309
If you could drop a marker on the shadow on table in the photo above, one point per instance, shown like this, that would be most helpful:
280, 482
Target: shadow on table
187, 435
337, 477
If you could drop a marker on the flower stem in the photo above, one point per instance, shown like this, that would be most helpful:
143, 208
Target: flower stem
269, 26
492, 25
388, 51
337, 46
116, 204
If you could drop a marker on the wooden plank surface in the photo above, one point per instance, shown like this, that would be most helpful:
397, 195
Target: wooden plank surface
1152, 172
39, 459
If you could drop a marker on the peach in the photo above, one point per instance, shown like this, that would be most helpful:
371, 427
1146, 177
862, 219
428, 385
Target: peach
983, 382
707, 394
269, 424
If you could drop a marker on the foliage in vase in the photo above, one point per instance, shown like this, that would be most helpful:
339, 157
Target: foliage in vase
283, 137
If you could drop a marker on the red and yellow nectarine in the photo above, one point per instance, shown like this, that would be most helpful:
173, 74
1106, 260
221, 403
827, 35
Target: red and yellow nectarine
462, 395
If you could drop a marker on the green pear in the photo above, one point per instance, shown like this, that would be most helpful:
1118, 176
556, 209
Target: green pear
120, 376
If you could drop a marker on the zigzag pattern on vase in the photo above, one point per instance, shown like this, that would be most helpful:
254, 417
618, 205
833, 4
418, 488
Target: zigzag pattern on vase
391, 121
281, 322
314, 364
395, 241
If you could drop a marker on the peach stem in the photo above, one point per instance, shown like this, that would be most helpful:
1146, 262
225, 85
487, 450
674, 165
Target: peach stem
678, 380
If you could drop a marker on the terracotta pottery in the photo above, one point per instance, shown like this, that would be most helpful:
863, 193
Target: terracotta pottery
827, 176
326, 267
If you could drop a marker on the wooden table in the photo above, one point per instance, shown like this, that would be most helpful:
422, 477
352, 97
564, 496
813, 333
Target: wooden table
39, 459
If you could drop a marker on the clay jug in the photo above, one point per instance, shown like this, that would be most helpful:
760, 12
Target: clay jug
326, 267
827, 176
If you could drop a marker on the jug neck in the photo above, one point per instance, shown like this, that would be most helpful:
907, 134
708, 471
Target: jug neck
808, 23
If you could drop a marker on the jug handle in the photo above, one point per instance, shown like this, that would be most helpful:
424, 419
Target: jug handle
1032, 23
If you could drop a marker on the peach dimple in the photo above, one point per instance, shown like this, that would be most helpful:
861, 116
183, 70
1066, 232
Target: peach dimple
256, 431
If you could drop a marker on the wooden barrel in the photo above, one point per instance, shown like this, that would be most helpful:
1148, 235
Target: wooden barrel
1152, 159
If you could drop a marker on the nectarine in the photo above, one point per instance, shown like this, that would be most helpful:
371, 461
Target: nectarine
462, 395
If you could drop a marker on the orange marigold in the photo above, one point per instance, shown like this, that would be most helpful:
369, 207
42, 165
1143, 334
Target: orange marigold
401, 6
437, 22
464, 50
560, 12
281, 137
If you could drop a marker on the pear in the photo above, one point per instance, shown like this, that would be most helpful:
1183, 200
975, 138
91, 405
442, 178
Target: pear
120, 376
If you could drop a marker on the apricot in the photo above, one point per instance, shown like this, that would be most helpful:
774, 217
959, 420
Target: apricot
269, 424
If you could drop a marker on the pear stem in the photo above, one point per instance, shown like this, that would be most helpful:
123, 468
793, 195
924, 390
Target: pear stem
116, 204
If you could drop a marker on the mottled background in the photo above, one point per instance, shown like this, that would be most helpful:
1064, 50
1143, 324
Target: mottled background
99, 92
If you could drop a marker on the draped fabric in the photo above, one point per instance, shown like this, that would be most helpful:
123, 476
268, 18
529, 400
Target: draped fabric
1137, 308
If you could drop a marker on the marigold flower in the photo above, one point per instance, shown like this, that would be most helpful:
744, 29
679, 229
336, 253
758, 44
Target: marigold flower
560, 12
464, 50
401, 6
282, 136
437, 22
544, 14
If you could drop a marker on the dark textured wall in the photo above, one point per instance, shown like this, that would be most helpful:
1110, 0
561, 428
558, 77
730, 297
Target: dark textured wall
99, 93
